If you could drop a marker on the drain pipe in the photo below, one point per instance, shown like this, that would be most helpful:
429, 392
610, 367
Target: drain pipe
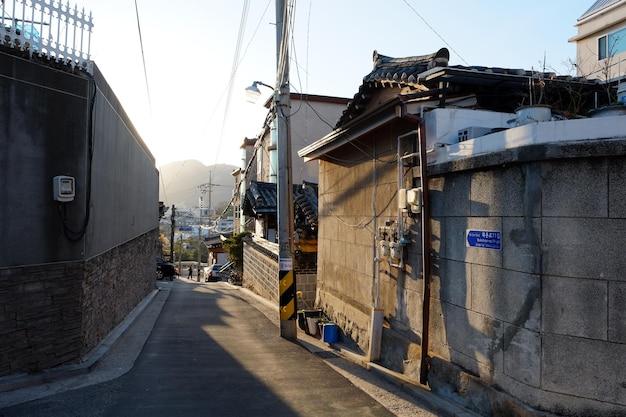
426, 241
377, 314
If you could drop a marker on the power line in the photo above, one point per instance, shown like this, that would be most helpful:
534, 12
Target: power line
206, 125
145, 72
435, 32
233, 72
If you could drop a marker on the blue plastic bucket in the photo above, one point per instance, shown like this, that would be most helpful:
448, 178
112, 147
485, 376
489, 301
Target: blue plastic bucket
330, 333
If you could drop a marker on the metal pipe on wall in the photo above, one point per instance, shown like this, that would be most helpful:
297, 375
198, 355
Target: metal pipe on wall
377, 314
401, 189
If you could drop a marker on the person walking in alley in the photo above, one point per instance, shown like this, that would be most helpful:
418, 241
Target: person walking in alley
190, 272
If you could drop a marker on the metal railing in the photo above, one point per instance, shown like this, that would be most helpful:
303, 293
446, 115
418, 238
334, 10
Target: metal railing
48, 28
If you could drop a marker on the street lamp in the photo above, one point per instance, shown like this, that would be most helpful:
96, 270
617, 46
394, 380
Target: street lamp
253, 92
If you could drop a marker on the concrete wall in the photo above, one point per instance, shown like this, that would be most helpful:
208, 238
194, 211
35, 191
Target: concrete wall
544, 310
124, 177
509, 329
69, 273
351, 208
311, 118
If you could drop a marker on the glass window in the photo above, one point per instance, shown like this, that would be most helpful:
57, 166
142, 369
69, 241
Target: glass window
612, 44
617, 42
602, 48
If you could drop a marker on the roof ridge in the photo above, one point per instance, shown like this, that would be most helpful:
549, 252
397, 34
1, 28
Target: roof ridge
384, 61
597, 7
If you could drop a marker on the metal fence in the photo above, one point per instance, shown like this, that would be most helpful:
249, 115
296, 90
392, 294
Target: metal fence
48, 28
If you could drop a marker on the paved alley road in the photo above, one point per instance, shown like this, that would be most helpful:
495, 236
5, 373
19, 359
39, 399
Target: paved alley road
211, 353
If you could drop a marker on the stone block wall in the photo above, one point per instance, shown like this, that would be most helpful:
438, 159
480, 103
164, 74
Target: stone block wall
351, 208
40, 317
510, 330
55, 314
546, 309
114, 284
260, 268
260, 273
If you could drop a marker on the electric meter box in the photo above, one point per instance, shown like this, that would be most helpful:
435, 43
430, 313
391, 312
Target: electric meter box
64, 188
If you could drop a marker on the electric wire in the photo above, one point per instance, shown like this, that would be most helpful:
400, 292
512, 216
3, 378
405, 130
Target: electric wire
233, 72
435, 32
228, 89
77, 235
219, 101
143, 58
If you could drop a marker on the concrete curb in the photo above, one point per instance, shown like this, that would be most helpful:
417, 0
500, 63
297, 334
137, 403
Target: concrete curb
87, 363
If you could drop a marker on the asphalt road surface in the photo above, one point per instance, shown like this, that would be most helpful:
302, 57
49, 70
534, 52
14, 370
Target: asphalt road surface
211, 353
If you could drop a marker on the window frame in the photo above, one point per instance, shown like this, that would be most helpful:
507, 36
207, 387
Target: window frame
612, 44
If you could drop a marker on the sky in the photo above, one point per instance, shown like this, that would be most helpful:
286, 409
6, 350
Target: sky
188, 101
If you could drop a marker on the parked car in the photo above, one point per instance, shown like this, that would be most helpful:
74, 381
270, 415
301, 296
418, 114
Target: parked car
165, 269
214, 273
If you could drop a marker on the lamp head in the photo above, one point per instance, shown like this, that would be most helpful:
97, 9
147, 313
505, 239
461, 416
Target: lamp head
253, 93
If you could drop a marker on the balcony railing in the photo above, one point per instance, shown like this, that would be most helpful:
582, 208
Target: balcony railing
48, 28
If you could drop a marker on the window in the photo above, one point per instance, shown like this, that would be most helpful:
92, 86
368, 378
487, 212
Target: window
612, 44
602, 52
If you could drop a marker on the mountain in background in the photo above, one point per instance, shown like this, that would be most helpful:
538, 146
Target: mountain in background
182, 183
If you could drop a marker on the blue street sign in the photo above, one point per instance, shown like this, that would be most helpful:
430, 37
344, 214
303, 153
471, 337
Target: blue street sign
487, 239
185, 228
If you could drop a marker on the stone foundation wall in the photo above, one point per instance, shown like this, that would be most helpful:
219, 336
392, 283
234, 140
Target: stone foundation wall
115, 282
40, 317
54, 314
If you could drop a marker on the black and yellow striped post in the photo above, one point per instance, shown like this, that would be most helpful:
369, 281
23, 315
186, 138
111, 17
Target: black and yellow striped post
287, 295
287, 299
284, 207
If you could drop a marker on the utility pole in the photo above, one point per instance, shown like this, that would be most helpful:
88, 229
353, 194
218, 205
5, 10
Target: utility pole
282, 106
208, 187
173, 220
199, 250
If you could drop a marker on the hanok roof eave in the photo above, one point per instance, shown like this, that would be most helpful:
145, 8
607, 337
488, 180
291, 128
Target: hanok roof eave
391, 72
369, 121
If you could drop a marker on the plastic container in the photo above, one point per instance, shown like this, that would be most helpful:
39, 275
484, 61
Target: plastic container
533, 114
330, 334
312, 326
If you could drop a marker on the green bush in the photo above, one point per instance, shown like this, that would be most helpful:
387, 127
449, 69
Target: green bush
234, 246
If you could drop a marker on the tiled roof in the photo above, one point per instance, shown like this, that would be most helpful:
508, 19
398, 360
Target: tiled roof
392, 72
405, 70
261, 198
413, 75
305, 198
598, 6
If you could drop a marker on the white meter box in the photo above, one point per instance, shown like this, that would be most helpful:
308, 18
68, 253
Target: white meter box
64, 188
